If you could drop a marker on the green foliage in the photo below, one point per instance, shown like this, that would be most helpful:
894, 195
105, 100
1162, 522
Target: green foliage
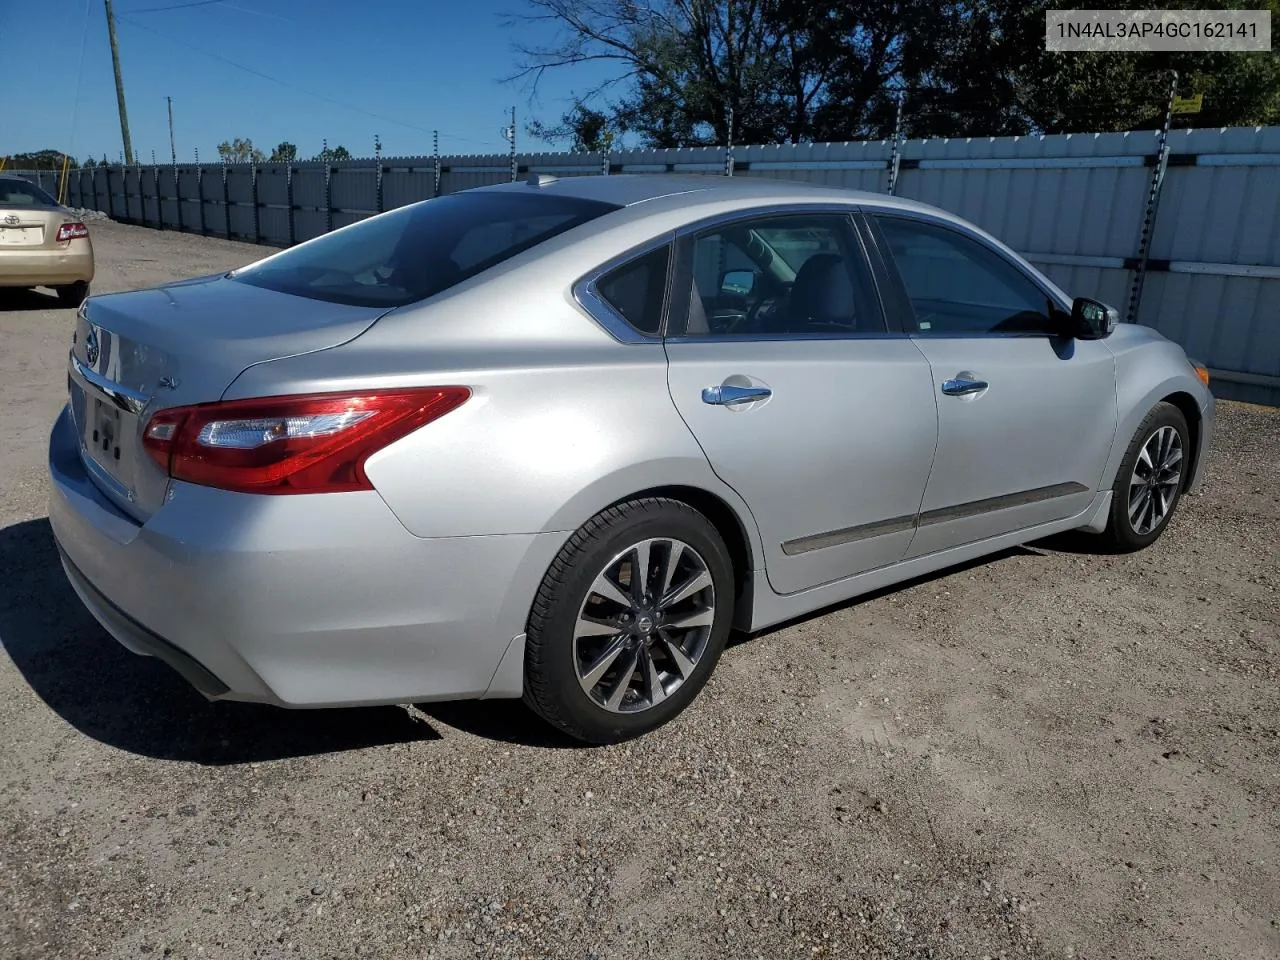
585, 130
809, 70
285, 152
39, 160
240, 150
333, 154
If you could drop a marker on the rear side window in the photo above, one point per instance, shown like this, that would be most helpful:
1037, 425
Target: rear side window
23, 193
637, 288
420, 250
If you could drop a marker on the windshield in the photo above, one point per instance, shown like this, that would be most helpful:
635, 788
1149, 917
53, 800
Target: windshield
420, 250
23, 193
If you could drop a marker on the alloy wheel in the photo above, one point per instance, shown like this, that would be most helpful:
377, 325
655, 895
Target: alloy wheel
1156, 478
644, 625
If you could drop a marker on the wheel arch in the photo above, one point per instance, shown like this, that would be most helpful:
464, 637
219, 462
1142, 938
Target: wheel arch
1190, 410
1134, 405
732, 529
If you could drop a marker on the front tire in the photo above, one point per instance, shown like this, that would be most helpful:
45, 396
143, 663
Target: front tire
1150, 481
629, 621
72, 294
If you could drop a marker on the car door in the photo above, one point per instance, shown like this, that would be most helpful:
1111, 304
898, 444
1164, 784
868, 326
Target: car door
780, 363
1026, 414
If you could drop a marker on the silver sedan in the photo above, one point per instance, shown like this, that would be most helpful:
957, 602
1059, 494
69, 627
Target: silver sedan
556, 439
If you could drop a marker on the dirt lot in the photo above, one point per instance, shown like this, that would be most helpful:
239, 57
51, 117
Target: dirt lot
1049, 754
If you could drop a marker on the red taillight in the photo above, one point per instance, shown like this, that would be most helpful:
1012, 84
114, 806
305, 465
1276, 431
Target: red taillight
72, 231
316, 443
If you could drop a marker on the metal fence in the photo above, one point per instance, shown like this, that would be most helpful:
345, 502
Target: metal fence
1182, 235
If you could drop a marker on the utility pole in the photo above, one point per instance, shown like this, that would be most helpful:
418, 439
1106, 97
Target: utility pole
510, 134
173, 153
115, 62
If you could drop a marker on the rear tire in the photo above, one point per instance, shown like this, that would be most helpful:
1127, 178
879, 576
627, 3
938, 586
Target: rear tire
72, 294
1150, 480
610, 655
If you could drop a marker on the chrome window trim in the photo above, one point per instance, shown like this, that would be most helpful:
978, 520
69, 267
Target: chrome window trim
790, 208
786, 338
587, 294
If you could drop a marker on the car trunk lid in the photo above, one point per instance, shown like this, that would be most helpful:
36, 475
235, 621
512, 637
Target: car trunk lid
30, 229
135, 353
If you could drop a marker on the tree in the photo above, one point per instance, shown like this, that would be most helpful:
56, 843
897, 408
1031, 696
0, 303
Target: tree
285, 152
801, 70
1126, 91
586, 130
995, 77
240, 150
40, 160
333, 154
777, 70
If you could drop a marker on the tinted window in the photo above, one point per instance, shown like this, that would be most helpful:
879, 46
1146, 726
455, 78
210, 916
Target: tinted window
958, 285
420, 250
23, 193
780, 276
636, 290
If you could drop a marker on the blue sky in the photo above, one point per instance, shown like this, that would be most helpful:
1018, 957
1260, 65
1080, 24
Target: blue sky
418, 66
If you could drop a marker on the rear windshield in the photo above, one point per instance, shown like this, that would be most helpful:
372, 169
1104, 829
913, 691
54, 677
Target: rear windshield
418, 251
23, 193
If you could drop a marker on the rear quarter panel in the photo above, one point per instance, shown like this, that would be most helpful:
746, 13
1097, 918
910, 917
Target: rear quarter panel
563, 420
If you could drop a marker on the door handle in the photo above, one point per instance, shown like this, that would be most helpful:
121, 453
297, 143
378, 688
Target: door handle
963, 386
726, 395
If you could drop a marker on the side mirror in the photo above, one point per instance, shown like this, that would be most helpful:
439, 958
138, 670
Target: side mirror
1092, 319
738, 283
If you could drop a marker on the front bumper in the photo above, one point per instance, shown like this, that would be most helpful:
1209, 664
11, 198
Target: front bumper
1207, 425
300, 601
38, 268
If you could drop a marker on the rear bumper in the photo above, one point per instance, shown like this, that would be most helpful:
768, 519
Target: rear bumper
35, 268
300, 601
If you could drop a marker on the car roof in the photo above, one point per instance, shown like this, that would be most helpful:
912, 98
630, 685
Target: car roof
630, 189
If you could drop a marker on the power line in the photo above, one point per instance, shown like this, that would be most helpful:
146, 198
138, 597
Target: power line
268, 77
174, 6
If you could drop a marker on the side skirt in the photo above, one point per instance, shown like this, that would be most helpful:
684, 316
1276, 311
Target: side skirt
771, 608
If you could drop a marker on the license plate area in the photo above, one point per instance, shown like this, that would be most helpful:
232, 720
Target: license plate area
107, 441
21, 236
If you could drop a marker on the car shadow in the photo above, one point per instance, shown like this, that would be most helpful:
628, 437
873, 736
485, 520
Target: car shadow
137, 703
23, 299
140, 705
738, 637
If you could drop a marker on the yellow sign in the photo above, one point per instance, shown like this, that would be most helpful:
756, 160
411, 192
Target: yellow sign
1188, 104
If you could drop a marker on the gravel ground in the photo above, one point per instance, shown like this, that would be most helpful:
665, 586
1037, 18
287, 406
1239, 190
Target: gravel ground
1047, 754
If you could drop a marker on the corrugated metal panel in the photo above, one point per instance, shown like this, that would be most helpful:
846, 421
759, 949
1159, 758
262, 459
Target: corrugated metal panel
273, 225
400, 187
1074, 204
168, 193
1095, 210
308, 224
273, 185
1231, 323
308, 186
353, 190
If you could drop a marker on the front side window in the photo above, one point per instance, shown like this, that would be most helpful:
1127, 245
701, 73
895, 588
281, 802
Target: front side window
637, 289
801, 275
957, 285
418, 251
